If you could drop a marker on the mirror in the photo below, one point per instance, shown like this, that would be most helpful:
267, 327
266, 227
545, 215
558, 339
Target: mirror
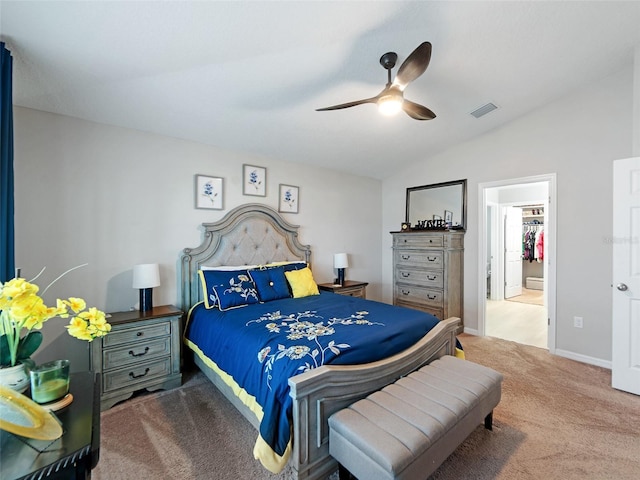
445, 201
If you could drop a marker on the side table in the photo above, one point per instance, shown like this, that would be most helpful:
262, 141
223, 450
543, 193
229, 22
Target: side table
142, 351
71, 456
351, 288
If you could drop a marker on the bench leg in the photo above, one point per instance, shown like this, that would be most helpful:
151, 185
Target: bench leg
344, 474
488, 421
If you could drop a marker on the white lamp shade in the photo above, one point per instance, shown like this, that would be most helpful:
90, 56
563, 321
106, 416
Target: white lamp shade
340, 260
146, 275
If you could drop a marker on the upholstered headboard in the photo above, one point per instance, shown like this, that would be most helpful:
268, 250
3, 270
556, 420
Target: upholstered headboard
251, 234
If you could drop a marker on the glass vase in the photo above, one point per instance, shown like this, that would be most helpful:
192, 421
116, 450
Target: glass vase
50, 381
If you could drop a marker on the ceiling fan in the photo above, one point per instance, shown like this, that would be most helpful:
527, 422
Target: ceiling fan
391, 100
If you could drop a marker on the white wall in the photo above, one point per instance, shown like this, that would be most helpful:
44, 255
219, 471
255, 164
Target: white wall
113, 197
636, 103
576, 137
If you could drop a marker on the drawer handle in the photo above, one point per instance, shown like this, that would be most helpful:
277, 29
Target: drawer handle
139, 334
406, 257
146, 350
432, 297
406, 292
432, 259
132, 375
406, 275
431, 277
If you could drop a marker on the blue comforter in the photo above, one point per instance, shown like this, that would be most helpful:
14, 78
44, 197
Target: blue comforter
261, 346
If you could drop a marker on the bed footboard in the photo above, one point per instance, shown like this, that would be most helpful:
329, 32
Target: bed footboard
320, 392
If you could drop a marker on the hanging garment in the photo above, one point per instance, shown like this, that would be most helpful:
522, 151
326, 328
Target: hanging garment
540, 245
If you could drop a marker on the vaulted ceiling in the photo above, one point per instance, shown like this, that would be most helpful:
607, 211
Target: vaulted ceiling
248, 76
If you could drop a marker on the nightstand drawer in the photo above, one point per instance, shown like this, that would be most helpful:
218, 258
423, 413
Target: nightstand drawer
352, 292
136, 334
135, 353
350, 288
125, 377
424, 278
424, 296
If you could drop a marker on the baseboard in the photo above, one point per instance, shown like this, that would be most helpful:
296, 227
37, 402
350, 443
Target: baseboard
598, 362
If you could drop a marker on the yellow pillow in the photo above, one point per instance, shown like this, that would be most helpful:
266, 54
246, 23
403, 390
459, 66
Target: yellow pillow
302, 283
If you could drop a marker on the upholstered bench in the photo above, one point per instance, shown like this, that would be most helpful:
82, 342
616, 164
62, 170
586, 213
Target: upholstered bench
407, 429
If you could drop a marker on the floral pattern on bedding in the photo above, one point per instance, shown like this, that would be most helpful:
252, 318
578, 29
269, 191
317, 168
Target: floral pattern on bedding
306, 326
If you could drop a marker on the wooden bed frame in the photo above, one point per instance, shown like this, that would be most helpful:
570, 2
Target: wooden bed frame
255, 234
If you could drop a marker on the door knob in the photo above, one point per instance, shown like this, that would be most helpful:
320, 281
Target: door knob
622, 287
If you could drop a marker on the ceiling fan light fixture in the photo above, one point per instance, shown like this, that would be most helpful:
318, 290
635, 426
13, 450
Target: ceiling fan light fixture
390, 103
391, 100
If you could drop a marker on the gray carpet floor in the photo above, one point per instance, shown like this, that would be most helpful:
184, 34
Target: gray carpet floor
558, 419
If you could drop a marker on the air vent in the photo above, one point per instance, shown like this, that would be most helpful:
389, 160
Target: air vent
483, 110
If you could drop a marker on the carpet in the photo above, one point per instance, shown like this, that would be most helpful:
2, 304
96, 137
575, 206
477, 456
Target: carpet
557, 419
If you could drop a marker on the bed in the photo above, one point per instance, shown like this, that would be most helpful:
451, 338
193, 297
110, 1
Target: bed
256, 235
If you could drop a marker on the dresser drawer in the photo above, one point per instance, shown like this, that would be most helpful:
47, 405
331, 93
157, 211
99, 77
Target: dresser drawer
409, 258
125, 377
436, 312
424, 296
136, 334
424, 278
412, 240
135, 353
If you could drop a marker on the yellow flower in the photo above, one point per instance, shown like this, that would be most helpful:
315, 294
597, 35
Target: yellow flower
76, 304
22, 308
17, 287
78, 328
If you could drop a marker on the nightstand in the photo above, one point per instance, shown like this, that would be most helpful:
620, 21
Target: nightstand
351, 288
142, 351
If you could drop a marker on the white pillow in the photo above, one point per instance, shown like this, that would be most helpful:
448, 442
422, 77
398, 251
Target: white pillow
226, 268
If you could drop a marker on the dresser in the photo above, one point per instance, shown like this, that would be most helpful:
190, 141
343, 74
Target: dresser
142, 351
428, 269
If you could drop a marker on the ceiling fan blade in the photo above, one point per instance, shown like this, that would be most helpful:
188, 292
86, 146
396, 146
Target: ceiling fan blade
414, 66
349, 104
417, 112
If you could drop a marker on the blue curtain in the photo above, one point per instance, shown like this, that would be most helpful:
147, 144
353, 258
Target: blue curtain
7, 242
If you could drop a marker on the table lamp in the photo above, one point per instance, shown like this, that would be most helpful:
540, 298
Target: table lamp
145, 277
340, 261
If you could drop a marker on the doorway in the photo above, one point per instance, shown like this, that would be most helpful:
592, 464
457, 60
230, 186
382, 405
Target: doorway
517, 279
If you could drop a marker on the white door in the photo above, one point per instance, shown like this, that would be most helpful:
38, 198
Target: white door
512, 252
625, 372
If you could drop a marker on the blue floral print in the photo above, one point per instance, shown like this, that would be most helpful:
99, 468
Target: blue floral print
208, 192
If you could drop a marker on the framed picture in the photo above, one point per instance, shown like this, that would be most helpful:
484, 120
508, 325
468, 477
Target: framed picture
437, 217
209, 192
289, 199
448, 216
254, 180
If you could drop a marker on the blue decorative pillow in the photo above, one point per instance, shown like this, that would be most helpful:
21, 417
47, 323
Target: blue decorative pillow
270, 283
294, 266
236, 294
209, 279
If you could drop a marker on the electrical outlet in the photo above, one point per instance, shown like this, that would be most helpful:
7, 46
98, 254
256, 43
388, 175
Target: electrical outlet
577, 322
